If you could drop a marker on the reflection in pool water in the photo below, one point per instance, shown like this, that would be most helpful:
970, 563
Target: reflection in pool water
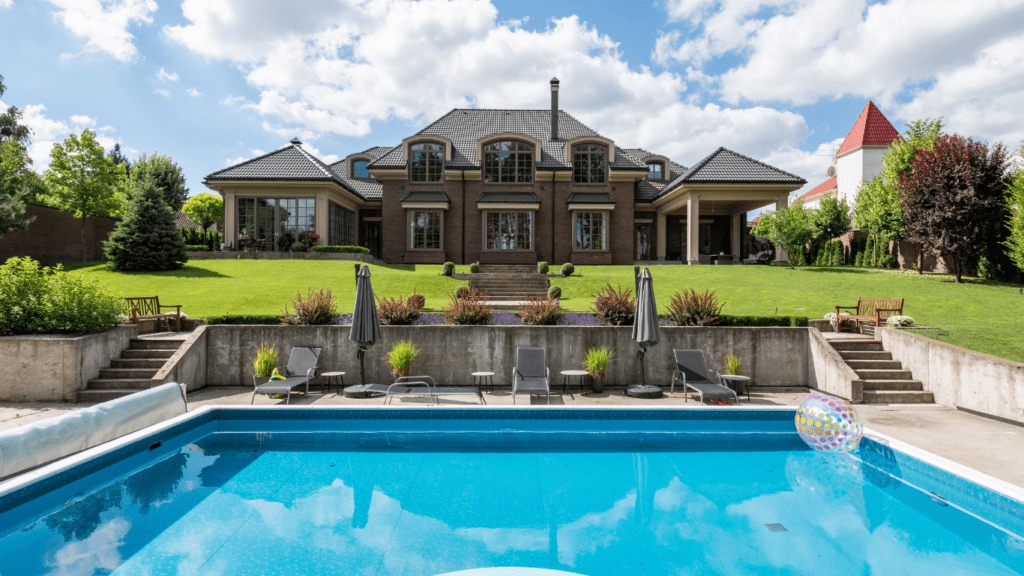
207, 509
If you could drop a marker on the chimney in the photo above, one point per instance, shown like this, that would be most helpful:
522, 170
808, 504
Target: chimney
554, 108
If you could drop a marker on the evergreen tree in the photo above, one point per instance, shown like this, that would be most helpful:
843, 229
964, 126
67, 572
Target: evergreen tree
858, 260
869, 252
166, 175
146, 239
1015, 217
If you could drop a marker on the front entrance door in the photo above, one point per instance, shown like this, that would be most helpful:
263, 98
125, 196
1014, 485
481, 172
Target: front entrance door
643, 241
371, 238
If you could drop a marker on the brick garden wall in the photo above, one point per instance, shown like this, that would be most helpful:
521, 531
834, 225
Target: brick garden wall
55, 237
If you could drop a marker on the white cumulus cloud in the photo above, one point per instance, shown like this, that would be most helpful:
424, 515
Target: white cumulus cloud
6, 3
193, 92
162, 92
167, 76
83, 120
105, 23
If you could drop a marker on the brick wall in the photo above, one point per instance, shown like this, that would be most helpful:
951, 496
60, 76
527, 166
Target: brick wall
55, 237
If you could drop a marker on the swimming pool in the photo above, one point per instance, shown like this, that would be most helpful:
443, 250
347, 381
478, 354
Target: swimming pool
430, 491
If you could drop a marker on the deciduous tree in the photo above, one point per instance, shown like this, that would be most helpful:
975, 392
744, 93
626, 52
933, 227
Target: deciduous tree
831, 219
953, 196
204, 209
789, 228
11, 128
82, 179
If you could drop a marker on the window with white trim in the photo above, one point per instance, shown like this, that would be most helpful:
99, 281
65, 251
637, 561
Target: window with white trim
655, 171
426, 163
508, 162
588, 164
508, 230
591, 231
425, 229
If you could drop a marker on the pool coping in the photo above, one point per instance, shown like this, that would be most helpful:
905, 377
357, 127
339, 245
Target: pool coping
10, 486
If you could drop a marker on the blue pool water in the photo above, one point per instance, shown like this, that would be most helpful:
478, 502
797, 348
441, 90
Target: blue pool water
223, 499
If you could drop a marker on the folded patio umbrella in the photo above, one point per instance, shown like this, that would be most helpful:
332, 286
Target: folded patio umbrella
645, 323
365, 323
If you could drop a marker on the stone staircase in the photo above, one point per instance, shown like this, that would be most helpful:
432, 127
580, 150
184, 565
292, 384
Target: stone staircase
508, 285
132, 371
884, 380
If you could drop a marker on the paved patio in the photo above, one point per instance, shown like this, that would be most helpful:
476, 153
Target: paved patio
991, 447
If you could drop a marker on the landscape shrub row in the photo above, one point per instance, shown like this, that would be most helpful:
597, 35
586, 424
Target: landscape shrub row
236, 319
345, 249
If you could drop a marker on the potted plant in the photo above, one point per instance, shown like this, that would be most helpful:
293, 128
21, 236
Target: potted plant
596, 364
733, 365
401, 357
264, 363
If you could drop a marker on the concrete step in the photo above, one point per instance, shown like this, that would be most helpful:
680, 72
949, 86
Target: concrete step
133, 373
884, 374
901, 397
101, 395
155, 344
875, 364
849, 355
119, 384
891, 385
151, 363
843, 345
144, 353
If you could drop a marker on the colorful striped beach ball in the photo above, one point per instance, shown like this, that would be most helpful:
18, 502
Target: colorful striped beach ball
828, 424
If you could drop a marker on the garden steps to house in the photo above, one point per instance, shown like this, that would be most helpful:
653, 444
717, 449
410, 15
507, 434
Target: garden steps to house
133, 370
509, 286
883, 379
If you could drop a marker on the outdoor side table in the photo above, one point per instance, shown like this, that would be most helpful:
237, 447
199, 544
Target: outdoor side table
567, 374
336, 378
736, 380
481, 379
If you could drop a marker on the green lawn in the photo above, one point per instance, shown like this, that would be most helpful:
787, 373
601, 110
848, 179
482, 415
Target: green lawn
980, 315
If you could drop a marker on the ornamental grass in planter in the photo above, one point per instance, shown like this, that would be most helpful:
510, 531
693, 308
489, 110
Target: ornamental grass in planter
264, 363
596, 363
403, 353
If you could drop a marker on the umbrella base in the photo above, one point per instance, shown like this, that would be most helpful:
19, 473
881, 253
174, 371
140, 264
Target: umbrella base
361, 391
644, 391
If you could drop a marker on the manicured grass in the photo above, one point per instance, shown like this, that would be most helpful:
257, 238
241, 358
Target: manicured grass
979, 315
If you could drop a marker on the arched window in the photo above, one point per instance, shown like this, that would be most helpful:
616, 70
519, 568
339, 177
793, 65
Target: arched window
427, 162
655, 171
588, 164
508, 162
359, 169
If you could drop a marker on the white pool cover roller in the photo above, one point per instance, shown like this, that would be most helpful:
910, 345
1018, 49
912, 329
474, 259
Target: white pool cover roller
35, 444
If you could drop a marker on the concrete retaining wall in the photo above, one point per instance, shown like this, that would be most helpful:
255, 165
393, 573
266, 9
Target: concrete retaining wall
830, 372
188, 364
958, 377
773, 356
51, 368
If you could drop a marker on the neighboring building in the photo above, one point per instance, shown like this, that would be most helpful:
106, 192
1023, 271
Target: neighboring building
503, 186
812, 199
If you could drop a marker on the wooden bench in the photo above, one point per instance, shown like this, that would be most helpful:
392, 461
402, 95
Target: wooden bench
148, 308
876, 309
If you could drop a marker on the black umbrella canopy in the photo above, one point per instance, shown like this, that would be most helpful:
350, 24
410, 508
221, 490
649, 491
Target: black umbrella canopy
365, 323
645, 322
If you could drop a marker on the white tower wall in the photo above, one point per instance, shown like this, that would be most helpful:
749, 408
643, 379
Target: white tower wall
849, 172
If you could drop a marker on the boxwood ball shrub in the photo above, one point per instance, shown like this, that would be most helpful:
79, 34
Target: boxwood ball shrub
449, 268
417, 301
568, 269
554, 292
344, 249
542, 268
474, 268
461, 292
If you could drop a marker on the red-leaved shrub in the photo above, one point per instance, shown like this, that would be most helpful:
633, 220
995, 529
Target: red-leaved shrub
693, 309
542, 312
614, 307
470, 309
317, 308
396, 311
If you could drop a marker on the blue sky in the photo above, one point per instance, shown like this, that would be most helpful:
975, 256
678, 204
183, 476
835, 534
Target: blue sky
212, 82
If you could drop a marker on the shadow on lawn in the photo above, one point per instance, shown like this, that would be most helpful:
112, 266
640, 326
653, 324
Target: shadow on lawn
837, 269
185, 272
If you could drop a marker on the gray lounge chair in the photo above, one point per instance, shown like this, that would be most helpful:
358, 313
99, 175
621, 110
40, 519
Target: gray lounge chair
693, 373
531, 374
422, 386
303, 366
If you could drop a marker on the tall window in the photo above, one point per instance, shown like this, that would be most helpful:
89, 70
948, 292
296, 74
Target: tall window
509, 231
588, 164
654, 171
425, 229
508, 162
246, 218
341, 226
278, 223
427, 162
359, 169
591, 231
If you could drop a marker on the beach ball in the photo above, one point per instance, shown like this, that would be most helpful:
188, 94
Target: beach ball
828, 424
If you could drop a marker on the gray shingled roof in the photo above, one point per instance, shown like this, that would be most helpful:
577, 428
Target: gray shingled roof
432, 197
464, 127
727, 166
508, 198
288, 163
647, 190
590, 198
369, 188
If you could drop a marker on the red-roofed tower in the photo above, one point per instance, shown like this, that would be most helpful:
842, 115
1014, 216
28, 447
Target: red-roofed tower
860, 156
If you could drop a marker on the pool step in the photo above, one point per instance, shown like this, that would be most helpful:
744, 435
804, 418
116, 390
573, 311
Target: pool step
132, 372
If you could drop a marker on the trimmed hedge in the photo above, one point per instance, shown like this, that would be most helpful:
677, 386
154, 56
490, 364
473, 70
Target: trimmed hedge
449, 268
197, 248
542, 267
262, 319
474, 268
764, 321
347, 249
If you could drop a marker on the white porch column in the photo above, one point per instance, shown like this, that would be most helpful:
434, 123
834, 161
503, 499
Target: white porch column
662, 224
693, 229
781, 257
737, 236
230, 213
320, 225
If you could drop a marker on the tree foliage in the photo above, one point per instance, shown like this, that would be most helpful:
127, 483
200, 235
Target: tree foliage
952, 197
146, 239
831, 219
82, 179
789, 228
1015, 217
166, 175
18, 184
11, 128
204, 209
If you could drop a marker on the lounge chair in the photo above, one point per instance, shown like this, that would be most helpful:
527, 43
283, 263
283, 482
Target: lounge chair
531, 374
693, 373
762, 257
422, 386
303, 366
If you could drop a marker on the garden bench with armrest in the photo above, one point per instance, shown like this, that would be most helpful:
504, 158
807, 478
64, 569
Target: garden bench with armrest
149, 308
876, 309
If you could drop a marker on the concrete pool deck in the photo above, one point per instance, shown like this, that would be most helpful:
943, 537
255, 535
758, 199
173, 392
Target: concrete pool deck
988, 446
